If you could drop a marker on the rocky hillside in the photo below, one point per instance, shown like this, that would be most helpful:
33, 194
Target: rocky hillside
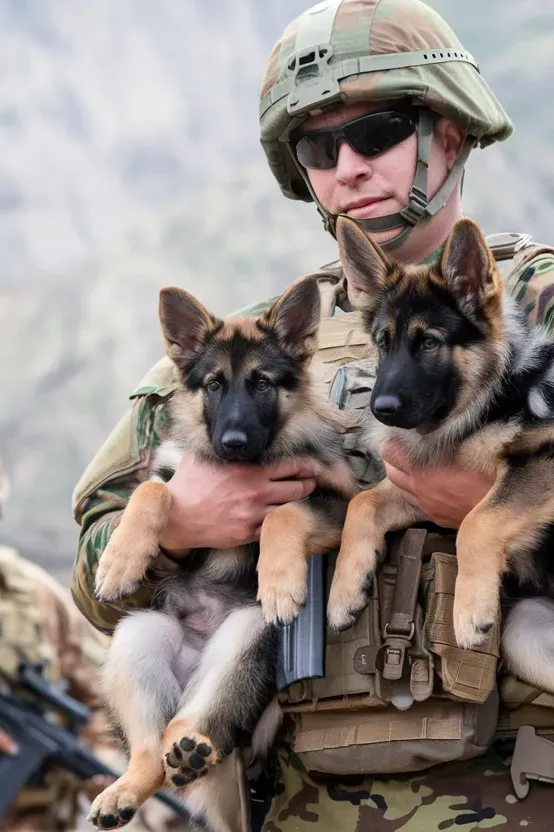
130, 160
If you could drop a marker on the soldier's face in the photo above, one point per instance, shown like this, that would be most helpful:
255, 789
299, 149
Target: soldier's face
365, 187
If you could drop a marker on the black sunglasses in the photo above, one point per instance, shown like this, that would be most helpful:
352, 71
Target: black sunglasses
369, 135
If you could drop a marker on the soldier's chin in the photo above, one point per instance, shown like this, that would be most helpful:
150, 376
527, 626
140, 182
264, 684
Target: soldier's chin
381, 237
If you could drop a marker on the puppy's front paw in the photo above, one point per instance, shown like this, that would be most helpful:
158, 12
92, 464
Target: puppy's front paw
123, 565
347, 600
282, 588
352, 582
474, 619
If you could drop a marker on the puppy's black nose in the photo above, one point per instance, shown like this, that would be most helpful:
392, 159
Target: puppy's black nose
234, 440
387, 405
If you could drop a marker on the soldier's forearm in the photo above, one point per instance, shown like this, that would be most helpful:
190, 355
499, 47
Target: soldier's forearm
92, 542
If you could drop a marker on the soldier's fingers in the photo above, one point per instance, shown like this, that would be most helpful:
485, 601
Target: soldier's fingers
288, 491
393, 454
405, 482
293, 469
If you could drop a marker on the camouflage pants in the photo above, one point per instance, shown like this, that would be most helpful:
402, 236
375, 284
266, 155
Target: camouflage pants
476, 794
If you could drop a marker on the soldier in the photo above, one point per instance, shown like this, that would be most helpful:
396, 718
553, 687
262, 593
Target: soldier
40, 624
368, 108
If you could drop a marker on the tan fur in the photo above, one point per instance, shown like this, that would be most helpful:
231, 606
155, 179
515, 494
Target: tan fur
290, 534
499, 530
370, 515
135, 542
144, 776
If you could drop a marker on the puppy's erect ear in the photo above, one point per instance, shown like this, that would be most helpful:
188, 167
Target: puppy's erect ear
468, 268
294, 318
184, 321
365, 265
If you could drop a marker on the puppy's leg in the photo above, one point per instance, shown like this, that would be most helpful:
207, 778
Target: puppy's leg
224, 699
134, 543
293, 532
371, 514
480, 550
215, 800
528, 642
290, 534
142, 680
505, 526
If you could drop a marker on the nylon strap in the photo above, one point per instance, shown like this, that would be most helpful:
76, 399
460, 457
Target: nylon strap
406, 554
303, 98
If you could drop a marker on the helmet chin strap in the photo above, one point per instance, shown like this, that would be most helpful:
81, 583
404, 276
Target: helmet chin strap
419, 205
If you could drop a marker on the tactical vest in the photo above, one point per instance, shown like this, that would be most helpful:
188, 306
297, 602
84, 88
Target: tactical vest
398, 694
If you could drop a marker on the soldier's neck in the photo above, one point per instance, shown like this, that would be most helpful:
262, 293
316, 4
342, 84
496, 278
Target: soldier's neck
428, 238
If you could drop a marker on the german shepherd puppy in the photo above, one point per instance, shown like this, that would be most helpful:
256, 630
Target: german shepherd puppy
462, 377
190, 680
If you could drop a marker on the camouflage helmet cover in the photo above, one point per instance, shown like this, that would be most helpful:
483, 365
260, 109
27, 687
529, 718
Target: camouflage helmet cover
361, 57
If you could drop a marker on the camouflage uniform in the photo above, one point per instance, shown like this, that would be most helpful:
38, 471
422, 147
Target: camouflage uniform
475, 794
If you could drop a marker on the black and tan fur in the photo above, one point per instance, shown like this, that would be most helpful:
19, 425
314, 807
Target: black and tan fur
190, 680
462, 378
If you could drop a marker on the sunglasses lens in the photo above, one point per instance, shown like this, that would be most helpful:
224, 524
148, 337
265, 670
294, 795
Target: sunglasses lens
369, 136
317, 151
373, 138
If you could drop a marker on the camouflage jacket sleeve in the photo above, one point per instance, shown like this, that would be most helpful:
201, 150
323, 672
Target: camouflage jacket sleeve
531, 282
103, 492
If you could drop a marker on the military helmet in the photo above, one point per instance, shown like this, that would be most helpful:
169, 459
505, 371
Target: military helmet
351, 51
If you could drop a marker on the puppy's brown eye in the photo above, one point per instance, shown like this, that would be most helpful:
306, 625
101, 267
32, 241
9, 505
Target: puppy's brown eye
213, 386
262, 385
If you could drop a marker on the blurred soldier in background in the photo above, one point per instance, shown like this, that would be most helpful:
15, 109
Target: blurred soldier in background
39, 624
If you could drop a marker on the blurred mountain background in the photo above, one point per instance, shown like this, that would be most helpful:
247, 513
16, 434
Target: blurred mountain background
129, 160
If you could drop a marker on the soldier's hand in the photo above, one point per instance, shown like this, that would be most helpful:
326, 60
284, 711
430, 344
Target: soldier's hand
7, 745
224, 506
445, 495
